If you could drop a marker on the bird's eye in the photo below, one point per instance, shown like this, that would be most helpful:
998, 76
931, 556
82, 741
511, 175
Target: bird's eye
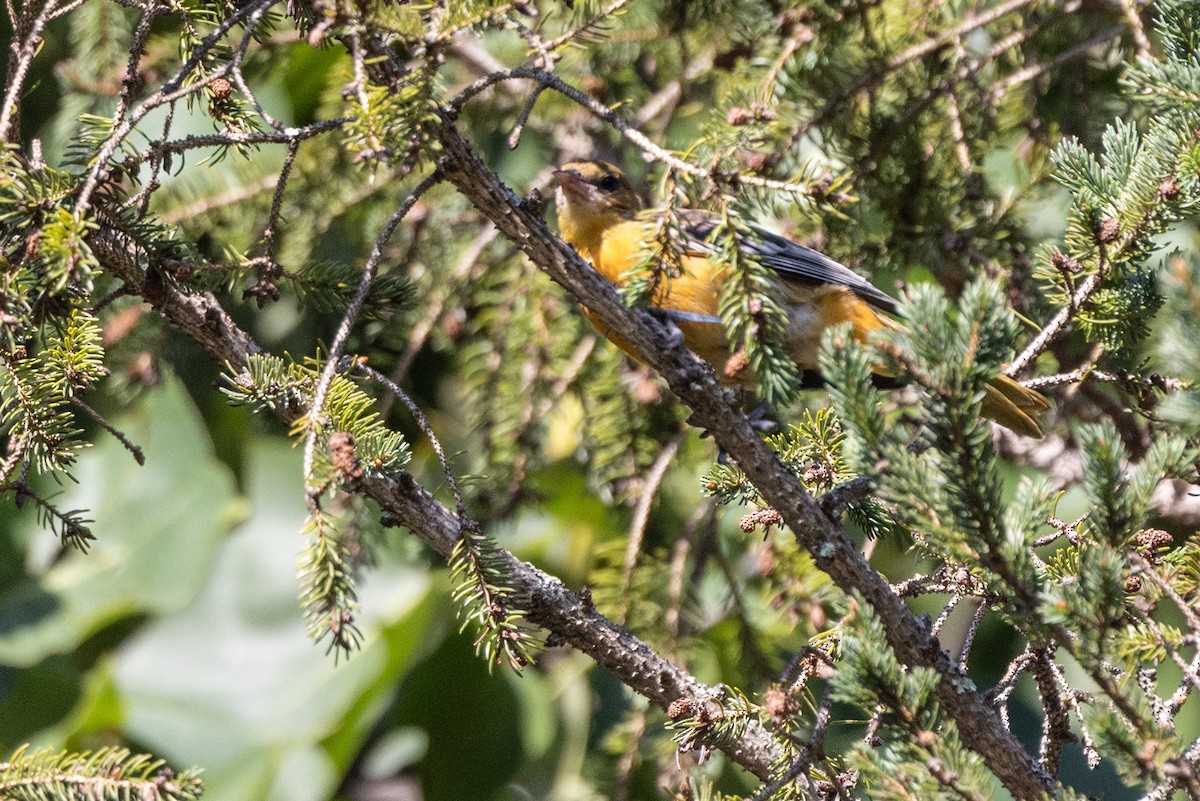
609, 183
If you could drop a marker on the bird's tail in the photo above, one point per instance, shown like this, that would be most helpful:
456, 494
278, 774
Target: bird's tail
1015, 407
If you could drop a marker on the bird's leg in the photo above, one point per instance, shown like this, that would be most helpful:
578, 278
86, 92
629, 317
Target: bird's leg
664, 317
534, 202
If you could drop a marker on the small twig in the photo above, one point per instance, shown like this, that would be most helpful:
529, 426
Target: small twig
348, 320
1184, 690
956, 126
969, 638
1056, 724
641, 516
137, 47
1034, 71
422, 423
1190, 761
235, 138
514, 138
269, 230
99, 419
235, 72
73, 532
142, 199
1140, 39
603, 14
1190, 676
1189, 612
170, 91
893, 64
16, 454
1082, 374
1073, 698
1055, 326
835, 501
463, 268
947, 610
30, 43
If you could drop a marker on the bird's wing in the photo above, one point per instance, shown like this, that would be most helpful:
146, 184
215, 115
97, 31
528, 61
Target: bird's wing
791, 259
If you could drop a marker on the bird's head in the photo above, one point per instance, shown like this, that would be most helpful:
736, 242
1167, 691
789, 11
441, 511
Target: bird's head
591, 196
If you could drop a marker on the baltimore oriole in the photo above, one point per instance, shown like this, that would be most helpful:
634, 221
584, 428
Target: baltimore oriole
600, 216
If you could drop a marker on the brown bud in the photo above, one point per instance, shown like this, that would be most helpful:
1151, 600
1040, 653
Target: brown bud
753, 160
779, 704
1133, 585
681, 708
763, 113
1064, 263
1169, 189
593, 85
1108, 231
817, 473
736, 364
221, 88
739, 116
761, 517
341, 452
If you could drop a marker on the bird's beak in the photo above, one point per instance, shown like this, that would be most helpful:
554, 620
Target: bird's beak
571, 182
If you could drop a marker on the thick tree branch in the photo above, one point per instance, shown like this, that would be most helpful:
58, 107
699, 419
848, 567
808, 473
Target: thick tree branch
696, 385
564, 613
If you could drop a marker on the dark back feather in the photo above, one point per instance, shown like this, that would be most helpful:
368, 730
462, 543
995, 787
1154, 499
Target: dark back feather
793, 260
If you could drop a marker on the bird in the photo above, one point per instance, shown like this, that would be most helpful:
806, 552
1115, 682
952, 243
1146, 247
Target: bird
601, 217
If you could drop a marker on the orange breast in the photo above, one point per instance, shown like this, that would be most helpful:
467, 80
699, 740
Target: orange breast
812, 309
694, 296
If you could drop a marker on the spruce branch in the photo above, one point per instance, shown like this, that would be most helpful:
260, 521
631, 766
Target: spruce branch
630, 132
174, 89
109, 774
328, 579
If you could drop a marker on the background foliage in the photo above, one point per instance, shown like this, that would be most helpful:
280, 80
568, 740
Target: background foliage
1034, 156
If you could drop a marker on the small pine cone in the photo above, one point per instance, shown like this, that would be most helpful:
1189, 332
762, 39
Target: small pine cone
1152, 540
